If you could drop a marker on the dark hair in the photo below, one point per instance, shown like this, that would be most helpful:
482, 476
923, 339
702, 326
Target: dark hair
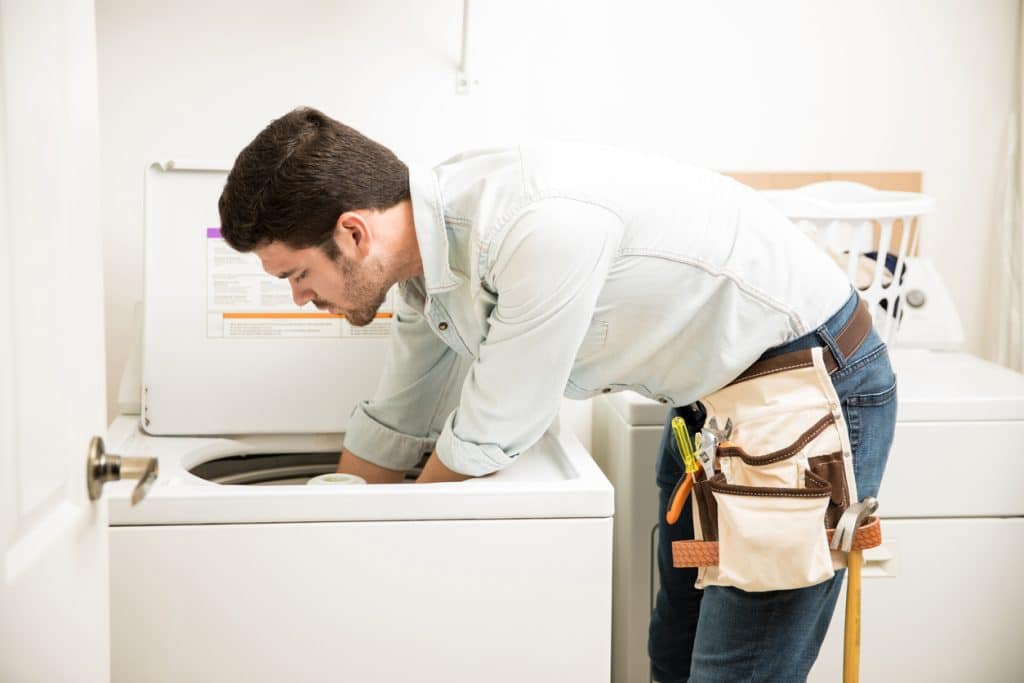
298, 175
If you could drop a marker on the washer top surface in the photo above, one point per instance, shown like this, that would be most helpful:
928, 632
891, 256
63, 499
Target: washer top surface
933, 386
556, 478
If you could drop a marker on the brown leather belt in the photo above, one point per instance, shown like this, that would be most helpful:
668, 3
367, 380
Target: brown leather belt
848, 340
705, 553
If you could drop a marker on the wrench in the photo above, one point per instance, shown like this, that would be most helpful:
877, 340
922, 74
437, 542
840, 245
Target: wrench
710, 437
722, 433
708, 451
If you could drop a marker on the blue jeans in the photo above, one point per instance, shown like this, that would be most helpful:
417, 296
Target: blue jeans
724, 634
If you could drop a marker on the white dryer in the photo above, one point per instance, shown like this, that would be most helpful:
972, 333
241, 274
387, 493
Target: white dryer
231, 569
941, 596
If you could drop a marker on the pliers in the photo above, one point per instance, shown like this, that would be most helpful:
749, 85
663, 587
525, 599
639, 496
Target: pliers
683, 487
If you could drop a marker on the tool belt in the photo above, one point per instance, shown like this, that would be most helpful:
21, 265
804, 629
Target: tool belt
766, 502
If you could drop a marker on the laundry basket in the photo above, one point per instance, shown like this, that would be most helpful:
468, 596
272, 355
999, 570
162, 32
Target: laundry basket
868, 232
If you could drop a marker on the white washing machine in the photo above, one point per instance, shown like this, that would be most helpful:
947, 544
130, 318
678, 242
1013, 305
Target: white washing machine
941, 597
231, 569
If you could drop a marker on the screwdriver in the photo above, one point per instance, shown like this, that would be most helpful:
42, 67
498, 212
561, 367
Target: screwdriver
686, 451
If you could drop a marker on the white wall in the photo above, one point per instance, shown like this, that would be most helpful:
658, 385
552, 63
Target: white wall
784, 85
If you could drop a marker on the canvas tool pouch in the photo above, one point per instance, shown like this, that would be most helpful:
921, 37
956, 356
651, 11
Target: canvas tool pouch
786, 473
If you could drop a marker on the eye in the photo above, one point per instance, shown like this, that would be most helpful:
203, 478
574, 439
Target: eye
302, 276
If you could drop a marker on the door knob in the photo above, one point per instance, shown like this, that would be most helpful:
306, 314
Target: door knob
103, 467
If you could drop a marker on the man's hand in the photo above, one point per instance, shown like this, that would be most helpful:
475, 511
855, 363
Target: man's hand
350, 463
435, 471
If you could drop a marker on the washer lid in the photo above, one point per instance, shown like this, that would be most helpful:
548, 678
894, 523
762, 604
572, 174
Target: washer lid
556, 478
225, 349
933, 386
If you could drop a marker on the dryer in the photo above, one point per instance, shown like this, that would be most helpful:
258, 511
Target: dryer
941, 598
232, 569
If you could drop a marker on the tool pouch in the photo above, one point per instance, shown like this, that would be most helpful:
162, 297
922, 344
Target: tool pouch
784, 476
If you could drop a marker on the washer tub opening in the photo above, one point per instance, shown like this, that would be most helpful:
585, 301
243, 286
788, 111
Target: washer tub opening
276, 469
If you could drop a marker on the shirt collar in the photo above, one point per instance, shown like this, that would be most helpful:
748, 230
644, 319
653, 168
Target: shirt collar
428, 217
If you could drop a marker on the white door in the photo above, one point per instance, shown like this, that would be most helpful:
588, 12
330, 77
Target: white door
54, 610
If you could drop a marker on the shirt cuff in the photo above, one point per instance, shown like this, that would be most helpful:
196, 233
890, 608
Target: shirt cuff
465, 457
381, 445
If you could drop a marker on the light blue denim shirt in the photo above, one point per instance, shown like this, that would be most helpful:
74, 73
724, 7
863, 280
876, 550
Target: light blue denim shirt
578, 270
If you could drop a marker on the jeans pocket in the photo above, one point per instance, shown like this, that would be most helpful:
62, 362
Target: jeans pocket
871, 418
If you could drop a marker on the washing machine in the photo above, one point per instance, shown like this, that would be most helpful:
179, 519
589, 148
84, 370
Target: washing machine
941, 595
232, 569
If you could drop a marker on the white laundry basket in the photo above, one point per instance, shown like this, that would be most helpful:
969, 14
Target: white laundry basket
868, 232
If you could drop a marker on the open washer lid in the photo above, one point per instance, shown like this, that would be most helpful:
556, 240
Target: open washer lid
556, 478
932, 386
225, 350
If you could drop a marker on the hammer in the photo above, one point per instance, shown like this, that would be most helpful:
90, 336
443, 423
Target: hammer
842, 540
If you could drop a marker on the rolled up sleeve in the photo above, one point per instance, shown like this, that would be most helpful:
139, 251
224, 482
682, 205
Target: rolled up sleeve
418, 388
548, 270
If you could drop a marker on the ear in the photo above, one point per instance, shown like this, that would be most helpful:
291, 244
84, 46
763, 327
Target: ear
352, 235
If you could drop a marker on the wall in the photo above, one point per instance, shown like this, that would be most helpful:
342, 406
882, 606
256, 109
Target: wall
788, 85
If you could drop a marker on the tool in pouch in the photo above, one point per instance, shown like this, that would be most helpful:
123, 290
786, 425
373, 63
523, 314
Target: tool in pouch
683, 487
698, 453
846, 539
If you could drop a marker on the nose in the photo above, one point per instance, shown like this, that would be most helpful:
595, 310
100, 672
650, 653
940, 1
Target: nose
300, 295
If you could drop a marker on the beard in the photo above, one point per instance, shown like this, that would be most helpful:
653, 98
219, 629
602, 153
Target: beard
362, 317
367, 286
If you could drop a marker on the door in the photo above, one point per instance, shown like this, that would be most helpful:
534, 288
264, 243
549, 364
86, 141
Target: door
54, 611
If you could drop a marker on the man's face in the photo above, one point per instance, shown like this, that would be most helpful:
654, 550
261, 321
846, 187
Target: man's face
343, 286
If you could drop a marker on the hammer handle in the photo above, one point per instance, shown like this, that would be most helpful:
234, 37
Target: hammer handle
851, 635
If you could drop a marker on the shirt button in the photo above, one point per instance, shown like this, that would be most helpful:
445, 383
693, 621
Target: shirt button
442, 326
606, 390
662, 400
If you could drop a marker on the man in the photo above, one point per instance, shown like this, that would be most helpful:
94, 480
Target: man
531, 273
